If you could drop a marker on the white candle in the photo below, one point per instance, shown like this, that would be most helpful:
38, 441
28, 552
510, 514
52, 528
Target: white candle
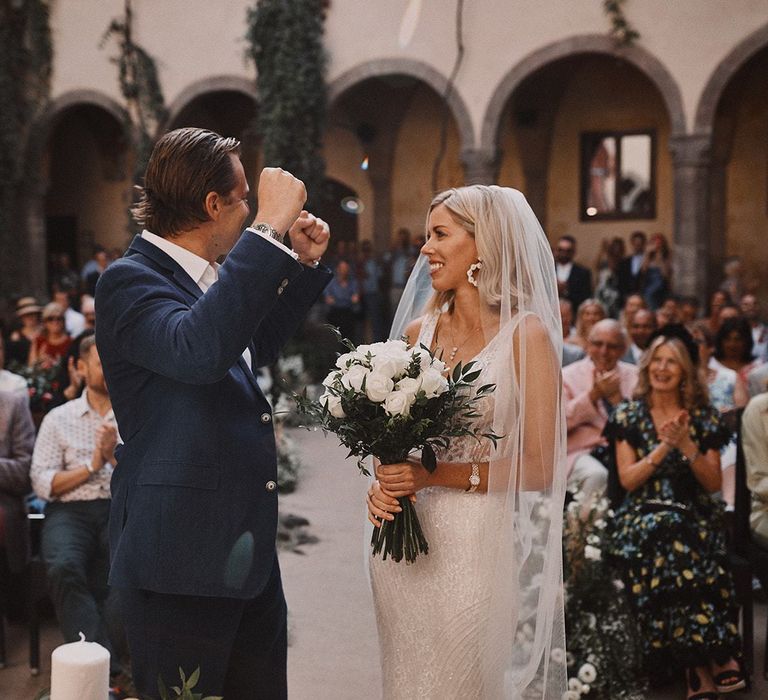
80, 671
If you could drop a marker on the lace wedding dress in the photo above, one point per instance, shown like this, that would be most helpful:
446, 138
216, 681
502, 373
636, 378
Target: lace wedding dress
430, 613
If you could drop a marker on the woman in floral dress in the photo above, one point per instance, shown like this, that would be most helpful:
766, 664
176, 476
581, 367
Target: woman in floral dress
668, 533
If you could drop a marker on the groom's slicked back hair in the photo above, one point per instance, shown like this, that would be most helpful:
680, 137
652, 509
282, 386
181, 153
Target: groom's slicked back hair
185, 165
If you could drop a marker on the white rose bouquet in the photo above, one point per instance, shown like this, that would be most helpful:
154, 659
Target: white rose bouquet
387, 400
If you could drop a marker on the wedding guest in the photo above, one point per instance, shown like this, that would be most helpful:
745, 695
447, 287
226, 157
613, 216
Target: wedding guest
668, 533
733, 283
631, 304
574, 281
757, 380
343, 300
608, 262
17, 438
23, 335
727, 392
754, 438
689, 311
641, 328
74, 323
656, 271
571, 351
717, 301
729, 311
591, 388
589, 313
52, 344
630, 269
750, 309
733, 346
71, 469
399, 261
668, 312
370, 276
93, 269
10, 382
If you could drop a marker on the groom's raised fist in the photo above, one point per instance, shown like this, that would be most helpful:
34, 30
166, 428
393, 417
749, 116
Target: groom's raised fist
281, 198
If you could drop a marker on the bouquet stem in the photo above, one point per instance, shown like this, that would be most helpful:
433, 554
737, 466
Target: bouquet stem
401, 537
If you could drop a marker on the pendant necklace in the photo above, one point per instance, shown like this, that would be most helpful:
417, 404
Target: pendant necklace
455, 346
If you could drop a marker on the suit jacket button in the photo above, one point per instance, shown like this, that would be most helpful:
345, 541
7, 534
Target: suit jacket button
265, 418
271, 486
284, 283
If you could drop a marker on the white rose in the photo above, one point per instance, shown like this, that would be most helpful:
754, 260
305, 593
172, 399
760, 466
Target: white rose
593, 539
344, 360
409, 386
333, 403
330, 379
585, 689
392, 362
398, 403
571, 695
592, 553
433, 383
353, 378
575, 685
587, 673
378, 387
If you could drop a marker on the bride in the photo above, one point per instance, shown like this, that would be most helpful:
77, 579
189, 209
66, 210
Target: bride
481, 615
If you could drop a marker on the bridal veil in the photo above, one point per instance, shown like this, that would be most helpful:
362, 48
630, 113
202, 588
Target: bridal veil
521, 635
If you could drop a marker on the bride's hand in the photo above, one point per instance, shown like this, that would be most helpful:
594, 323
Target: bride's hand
404, 478
381, 505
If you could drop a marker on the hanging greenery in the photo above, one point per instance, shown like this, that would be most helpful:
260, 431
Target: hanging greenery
285, 43
26, 55
621, 31
139, 86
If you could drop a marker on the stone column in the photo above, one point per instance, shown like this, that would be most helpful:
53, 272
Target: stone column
34, 275
481, 166
691, 163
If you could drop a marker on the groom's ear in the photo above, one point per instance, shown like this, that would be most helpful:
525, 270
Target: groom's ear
213, 205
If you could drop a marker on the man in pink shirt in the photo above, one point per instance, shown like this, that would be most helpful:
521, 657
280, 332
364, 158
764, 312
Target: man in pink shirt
593, 386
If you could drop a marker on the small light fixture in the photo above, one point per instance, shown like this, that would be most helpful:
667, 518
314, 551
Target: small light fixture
364, 164
352, 205
591, 211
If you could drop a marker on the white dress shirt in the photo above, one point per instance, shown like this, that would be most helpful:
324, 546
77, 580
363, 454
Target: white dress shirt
13, 383
66, 442
563, 271
203, 274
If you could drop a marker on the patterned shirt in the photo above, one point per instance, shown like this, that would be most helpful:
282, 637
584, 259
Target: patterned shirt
66, 442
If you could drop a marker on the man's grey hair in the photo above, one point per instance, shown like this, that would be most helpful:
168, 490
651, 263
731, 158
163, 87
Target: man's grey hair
609, 325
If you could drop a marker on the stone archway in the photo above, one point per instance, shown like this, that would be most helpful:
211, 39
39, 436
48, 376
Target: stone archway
415, 69
200, 88
590, 43
722, 75
32, 246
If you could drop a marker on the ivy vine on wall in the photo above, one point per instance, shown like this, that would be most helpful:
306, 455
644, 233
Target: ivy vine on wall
26, 55
621, 31
140, 87
285, 43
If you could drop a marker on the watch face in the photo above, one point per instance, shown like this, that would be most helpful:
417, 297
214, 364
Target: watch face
474, 480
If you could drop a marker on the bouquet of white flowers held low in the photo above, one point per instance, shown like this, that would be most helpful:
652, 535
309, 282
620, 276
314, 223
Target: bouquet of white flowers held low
387, 400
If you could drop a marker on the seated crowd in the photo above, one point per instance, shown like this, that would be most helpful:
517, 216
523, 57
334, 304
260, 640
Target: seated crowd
648, 383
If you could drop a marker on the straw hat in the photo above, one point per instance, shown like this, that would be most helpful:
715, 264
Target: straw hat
27, 305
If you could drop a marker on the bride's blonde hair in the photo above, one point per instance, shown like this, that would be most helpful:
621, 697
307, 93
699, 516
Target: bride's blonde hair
476, 210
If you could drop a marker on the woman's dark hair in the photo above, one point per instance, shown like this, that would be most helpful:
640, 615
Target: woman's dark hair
741, 326
185, 165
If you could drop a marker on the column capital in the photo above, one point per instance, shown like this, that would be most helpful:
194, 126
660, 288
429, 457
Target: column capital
691, 150
481, 165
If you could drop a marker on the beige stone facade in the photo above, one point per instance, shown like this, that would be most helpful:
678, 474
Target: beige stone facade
536, 75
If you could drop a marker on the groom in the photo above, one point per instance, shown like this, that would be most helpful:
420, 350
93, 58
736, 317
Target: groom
194, 493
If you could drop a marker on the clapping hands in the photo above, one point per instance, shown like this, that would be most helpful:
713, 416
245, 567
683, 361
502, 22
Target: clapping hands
674, 432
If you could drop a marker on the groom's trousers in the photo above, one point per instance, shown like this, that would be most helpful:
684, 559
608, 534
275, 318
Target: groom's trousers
239, 645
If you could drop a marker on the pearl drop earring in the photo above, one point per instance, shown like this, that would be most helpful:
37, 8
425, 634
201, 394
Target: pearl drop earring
474, 267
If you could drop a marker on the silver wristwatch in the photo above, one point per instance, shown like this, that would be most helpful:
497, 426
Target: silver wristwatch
270, 231
474, 478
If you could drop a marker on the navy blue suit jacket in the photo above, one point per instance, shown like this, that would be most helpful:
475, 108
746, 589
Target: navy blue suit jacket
192, 510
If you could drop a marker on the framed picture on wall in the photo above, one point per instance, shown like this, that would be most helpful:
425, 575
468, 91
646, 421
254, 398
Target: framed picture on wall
618, 175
